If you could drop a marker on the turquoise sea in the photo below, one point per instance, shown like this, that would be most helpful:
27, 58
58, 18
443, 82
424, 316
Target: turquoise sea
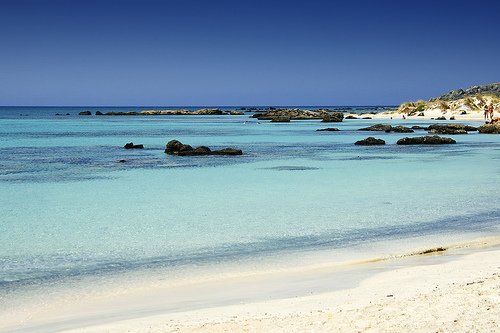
70, 209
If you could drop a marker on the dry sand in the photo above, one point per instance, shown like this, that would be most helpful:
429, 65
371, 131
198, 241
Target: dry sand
428, 115
432, 295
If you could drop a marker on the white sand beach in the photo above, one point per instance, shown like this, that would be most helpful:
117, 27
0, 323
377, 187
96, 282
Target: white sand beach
457, 290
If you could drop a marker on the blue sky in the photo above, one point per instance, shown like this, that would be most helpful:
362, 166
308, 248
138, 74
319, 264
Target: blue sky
243, 52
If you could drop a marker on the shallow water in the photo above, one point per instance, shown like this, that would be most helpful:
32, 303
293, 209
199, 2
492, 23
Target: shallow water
69, 208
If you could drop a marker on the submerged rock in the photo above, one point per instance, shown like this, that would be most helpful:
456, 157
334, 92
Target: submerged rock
329, 129
131, 145
426, 140
85, 113
175, 147
370, 141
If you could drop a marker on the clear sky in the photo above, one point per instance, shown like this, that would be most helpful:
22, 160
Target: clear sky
234, 52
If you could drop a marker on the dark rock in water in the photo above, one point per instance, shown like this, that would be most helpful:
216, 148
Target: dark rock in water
85, 113
122, 161
67, 114
416, 127
280, 119
333, 117
227, 151
370, 141
131, 145
209, 112
175, 147
377, 127
402, 129
446, 130
329, 129
490, 128
98, 113
425, 140
130, 113
351, 117
366, 118
450, 129
58, 114
440, 118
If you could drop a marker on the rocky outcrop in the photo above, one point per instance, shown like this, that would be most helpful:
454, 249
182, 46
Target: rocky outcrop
351, 117
216, 112
387, 128
487, 89
85, 113
370, 141
329, 129
294, 114
281, 119
131, 113
377, 127
131, 145
332, 117
490, 128
450, 129
98, 113
417, 127
175, 147
401, 129
426, 140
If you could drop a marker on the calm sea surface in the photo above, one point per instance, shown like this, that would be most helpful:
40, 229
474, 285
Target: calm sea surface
68, 207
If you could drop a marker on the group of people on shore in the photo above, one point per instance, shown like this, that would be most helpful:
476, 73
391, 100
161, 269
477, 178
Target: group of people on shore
488, 112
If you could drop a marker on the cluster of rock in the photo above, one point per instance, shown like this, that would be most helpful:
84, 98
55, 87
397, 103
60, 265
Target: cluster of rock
175, 147
425, 140
370, 141
493, 128
200, 112
329, 129
388, 128
285, 115
131, 145
450, 129
178, 112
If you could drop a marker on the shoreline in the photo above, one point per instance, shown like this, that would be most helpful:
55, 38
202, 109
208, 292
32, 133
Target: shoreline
230, 295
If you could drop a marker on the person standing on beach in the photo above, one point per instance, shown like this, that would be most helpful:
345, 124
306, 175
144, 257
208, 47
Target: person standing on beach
490, 111
486, 112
